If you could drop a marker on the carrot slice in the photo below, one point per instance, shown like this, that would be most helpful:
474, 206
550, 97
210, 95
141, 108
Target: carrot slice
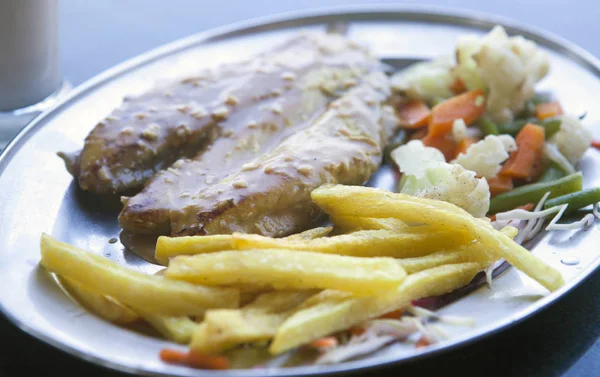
194, 359
357, 331
499, 184
396, 314
445, 143
526, 161
469, 106
422, 342
548, 110
326, 342
596, 144
413, 114
458, 86
463, 145
173, 356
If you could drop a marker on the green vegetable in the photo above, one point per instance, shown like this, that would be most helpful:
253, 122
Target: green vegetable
576, 200
533, 193
539, 98
397, 140
528, 110
552, 173
551, 126
435, 101
487, 126
513, 128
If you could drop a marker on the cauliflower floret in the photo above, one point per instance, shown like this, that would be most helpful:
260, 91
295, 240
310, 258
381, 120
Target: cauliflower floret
459, 130
425, 81
427, 175
507, 67
572, 139
486, 156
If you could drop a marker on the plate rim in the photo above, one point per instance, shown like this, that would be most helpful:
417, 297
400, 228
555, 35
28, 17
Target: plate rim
427, 13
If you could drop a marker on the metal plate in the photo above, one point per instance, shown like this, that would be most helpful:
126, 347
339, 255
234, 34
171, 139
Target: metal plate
37, 194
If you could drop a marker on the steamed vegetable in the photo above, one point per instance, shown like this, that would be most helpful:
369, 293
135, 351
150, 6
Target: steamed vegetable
427, 175
468, 106
548, 110
526, 161
413, 114
486, 156
572, 139
576, 200
425, 81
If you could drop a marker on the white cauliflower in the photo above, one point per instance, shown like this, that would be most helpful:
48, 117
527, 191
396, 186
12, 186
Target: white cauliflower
427, 175
486, 156
572, 139
426, 80
459, 130
507, 67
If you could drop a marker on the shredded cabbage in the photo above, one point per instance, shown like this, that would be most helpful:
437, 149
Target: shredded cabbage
486, 156
427, 175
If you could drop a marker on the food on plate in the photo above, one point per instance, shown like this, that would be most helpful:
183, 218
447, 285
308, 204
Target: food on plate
221, 117
270, 195
481, 162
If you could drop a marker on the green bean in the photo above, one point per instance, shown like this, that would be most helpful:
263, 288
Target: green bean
512, 128
552, 173
576, 200
539, 98
397, 140
528, 110
534, 192
551, 126
487, 126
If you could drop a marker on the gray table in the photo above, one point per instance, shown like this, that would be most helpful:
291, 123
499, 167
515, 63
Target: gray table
96, 34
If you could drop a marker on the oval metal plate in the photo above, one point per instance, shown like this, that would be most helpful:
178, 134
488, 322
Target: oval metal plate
38, 195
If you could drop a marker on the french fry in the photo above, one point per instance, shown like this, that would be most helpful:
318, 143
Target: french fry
154, 294
369, 202
332, 311
288, 269
472, 252
227, 328
362, 243
169, 247
104, 307
177, 329
352, 223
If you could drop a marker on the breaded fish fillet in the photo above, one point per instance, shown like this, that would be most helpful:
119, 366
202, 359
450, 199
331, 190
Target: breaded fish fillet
270, 195
148, 133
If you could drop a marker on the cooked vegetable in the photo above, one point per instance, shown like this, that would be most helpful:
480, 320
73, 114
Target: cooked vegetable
426, 175
363, 201
596, 144
486, 156
194, 359
444, 143
468, 106
507, 67
458, 86
552, 154
351, 223
288, 269
500, 184
548, 110
363, 243
459, 130
487, 127
513, 128
551, 126
426, 80
575, 200
413, 114
154, 294
177, 329
552, 173
526, 161
332, 311
463, 146
572, 139
104, 307
533, 193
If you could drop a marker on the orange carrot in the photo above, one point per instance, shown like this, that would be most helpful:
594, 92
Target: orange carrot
596, 144
499, 184
445, 143
548, 110
396, 314
194, 359
326, 342
422, 342
458, 86
469, 106
413, 114
463, 145
357, 331
526, 161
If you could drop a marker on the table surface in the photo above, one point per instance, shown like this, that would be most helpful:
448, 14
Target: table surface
563, 340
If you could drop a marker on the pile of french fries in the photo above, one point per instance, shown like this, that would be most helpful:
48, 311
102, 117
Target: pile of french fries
220, 292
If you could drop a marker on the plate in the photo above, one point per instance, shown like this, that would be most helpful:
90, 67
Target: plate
38, 195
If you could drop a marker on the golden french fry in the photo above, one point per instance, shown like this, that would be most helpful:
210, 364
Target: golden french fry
362, 243
177, 329
247, 357
104, 307
289, 269
369, 202
352, 223
227, 328
311, 234
332, 311
155, 294
169, 247
474, 252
